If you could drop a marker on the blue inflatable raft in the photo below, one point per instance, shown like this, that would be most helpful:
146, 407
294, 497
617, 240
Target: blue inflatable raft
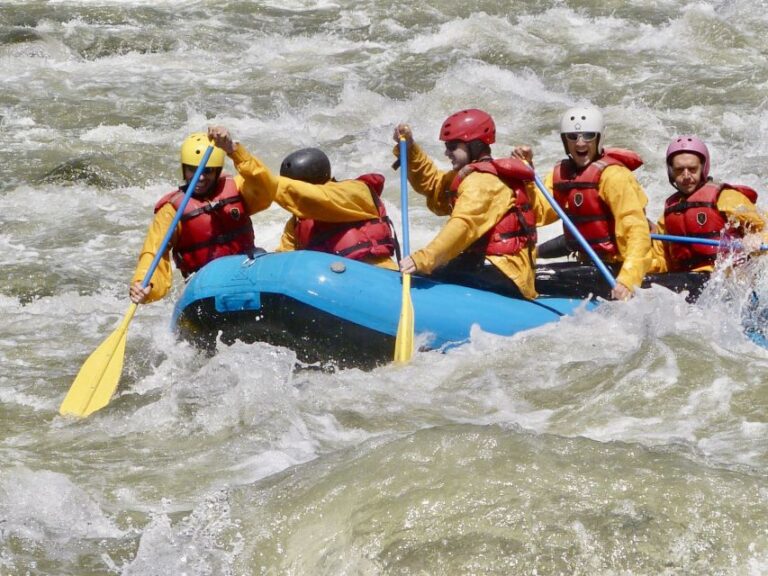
331, 309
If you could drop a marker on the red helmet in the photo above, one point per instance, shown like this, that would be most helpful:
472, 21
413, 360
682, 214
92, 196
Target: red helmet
468, 125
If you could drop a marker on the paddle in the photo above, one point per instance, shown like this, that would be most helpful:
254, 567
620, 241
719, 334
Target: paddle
98, 378
404, 341
575, 232
703, 241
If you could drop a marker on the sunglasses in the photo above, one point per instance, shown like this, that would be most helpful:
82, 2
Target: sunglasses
206, 170
451, 145
586, 136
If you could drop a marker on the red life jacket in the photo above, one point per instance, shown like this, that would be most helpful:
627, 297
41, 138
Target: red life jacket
210, 228
697, 216
517, 228
355, 240
577, 193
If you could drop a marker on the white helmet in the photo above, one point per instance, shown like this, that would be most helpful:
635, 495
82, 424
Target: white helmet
582, 119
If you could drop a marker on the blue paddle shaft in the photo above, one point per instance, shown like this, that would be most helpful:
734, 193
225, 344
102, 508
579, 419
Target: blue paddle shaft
404, 193
685, 239
735, 244
576, 234
179, 213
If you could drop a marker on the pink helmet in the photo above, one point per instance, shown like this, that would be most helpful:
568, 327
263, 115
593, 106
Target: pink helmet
468, 125
692, 145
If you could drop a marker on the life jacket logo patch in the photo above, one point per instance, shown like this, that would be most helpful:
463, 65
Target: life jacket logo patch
578, 199
701, 218
235, 214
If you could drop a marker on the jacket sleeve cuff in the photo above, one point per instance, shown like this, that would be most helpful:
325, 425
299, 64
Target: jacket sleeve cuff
239, 154
421, 262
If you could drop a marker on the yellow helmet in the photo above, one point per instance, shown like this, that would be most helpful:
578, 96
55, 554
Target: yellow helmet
194, 147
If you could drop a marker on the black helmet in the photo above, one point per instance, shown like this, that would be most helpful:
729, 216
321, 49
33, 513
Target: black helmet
308, 164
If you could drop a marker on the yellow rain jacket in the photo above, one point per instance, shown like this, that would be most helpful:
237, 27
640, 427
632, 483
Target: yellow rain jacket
626, 199
483, 200
338, 202
255, 197
739, 210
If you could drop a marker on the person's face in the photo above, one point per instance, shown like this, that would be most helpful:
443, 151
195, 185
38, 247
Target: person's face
458, 153
686, 172
582, 147
206, 182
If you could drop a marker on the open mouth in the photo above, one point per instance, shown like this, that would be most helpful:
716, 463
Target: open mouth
581, 154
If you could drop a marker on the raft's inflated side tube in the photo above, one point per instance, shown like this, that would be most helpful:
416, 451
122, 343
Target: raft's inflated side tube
576, 280
326, 307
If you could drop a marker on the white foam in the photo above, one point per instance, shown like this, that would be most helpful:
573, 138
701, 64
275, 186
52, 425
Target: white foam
43, 505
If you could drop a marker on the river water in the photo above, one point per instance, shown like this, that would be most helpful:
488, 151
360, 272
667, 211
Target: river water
628, 441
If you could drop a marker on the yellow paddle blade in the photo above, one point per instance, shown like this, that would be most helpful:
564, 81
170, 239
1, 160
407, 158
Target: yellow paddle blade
404, 344
98, 378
